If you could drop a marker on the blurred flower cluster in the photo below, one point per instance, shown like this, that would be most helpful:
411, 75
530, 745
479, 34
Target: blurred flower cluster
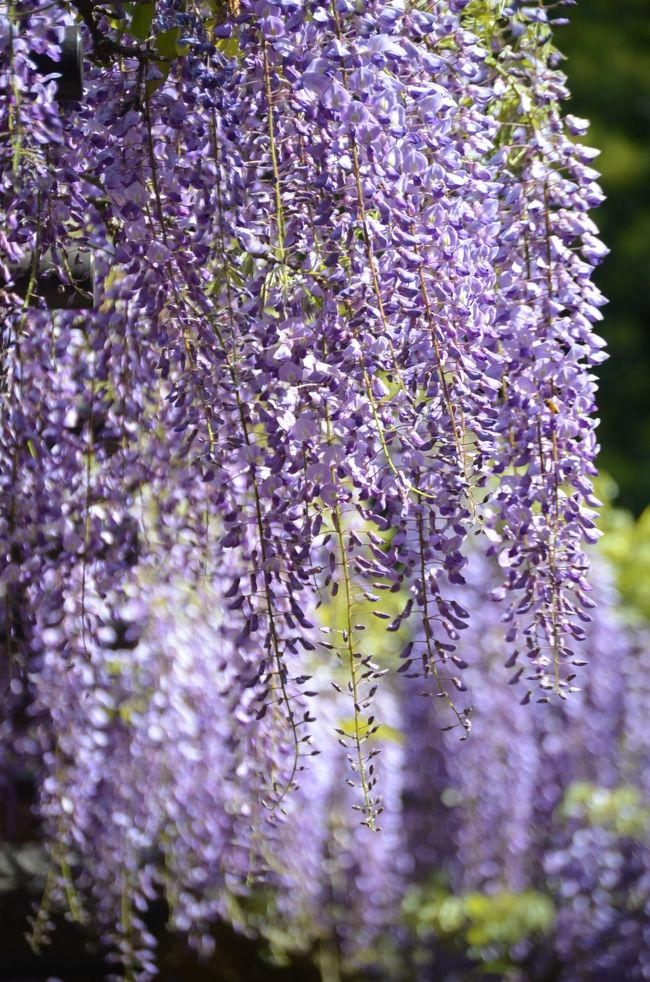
537, 862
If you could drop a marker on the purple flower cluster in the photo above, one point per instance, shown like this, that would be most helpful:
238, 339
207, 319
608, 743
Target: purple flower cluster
344, 321
546, 306
548, 798
339, 884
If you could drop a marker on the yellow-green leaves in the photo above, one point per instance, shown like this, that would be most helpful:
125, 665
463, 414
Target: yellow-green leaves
489, 924
622, 810
142, 15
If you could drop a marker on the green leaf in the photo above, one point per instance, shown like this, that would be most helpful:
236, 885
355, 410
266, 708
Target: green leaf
142, 19
384, 732
229, 47
166, 43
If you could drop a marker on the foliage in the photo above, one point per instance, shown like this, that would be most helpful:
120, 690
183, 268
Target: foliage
626, 544
622, 809
617, 101
488, 925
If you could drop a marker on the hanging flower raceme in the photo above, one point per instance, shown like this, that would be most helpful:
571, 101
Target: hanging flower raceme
541, 513
344, 322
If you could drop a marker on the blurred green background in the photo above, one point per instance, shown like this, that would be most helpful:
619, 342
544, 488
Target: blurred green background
608, 63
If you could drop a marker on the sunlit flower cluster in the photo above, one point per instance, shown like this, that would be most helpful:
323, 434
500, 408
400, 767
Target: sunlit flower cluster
341, 320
